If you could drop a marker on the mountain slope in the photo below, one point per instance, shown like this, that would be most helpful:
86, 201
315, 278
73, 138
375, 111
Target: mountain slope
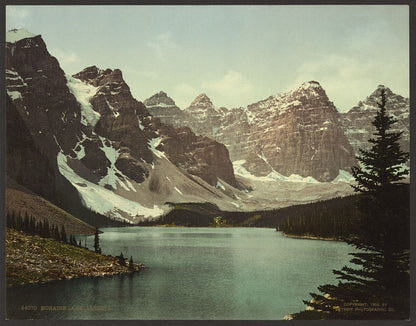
21, 200
99, 145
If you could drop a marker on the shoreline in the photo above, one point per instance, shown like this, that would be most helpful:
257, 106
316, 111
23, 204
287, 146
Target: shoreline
35, 260
308, 237
91, 275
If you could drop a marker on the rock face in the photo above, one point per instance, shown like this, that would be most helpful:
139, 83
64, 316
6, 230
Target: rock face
37, 86
357, 121
90, 139
127, 123
42, 119
298, 132
23, 156
162, 106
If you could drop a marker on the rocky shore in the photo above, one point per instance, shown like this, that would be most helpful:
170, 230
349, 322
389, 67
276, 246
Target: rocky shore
32, 259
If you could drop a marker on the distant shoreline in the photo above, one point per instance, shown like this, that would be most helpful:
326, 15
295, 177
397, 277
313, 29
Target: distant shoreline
308, 237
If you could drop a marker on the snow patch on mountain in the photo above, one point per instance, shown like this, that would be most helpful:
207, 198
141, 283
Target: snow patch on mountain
16, 35
83, 93
155, 142
344, 176
240, 170
140, 123
104, 201
113, 174
79, 149
161, 105
14, 95
180, 192
219, 185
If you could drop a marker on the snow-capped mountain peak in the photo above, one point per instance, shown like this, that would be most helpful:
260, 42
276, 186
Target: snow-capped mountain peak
311, 84
310, 89
15, 35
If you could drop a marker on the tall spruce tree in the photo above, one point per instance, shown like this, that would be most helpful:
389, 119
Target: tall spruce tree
379, 287
63, 234
131, 265
97, 242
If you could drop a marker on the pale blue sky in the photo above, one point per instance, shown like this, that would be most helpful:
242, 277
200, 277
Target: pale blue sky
237, 55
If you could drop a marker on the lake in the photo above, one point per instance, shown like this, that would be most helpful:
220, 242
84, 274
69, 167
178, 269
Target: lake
192, 273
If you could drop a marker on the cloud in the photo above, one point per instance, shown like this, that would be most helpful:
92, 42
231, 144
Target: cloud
16, 17
232, 83
162, 44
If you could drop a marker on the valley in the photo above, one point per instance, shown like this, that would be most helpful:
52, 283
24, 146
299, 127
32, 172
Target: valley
97, 149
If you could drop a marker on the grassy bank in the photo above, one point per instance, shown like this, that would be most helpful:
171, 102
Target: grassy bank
32, 259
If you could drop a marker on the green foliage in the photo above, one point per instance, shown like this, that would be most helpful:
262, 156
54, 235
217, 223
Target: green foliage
219, 221
327, 219
29, 225
203, 215
63, 234
121, 260
97, 241
379, 284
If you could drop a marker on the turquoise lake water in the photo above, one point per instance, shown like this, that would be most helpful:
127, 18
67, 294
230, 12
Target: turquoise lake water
192, 273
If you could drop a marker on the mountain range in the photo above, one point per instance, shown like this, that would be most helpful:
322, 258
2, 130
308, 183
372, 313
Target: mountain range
83, 142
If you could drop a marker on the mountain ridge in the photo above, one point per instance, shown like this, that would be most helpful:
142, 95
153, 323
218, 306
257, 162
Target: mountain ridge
106, 151
256, 133
101, 141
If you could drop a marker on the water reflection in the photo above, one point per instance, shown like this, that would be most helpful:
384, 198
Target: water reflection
192, 274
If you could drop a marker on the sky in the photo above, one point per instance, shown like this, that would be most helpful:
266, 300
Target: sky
237, 55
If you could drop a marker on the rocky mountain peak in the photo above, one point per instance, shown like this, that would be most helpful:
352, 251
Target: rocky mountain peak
160, 99
117, 75
310, 89
377, 91
98, 77
357, 122
88, 74
312, 83
202, 100
394, 101
16, 35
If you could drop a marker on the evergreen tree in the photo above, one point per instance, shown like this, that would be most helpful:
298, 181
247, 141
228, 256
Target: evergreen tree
380, 233
10, 220
121, 260
19, 222
55, 233
64, 239
26, 225
97, 241
45, 229
32, 223
131, 266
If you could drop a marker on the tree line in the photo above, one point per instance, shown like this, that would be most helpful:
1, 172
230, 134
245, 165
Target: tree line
326, 219
29, 225
44, 229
